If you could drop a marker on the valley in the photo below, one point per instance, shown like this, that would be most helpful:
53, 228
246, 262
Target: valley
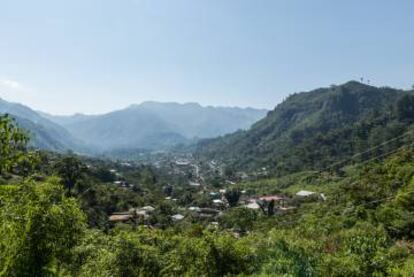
321, 185
235, 138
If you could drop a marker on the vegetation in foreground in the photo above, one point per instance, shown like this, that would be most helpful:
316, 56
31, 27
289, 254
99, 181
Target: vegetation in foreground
50, 224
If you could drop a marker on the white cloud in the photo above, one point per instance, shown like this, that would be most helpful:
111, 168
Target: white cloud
14, 91
11, 84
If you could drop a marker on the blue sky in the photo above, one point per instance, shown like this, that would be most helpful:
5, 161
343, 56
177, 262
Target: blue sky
94, 56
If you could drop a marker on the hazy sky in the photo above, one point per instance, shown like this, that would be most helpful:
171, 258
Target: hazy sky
93, 56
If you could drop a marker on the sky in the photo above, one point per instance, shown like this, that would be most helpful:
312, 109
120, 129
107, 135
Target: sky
94, 56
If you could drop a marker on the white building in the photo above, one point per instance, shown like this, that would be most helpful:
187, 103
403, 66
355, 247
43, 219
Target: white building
305, 193
177, 217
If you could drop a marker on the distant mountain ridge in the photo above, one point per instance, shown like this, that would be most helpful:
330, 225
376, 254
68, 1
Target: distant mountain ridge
44, 133
150, 125
64, 119
311, 130
153, 125
206, 121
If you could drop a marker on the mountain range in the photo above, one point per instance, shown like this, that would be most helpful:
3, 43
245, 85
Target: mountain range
150, 125
309, 130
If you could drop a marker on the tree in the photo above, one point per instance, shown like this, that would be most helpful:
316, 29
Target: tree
229, 172
271, 208
233, 197
162, 215
168, 190
122, 253
240, 218
28, 163
13, 143
405, 108
70, 170
267, 207
38, 228
148, 177
105, 175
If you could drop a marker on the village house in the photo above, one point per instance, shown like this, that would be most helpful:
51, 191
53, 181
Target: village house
305, 193
194, 209
133, 214
120, 218
278, 199
194, 184
281, 203
148, 209
177, 217
206, 213
252, 204
219, 203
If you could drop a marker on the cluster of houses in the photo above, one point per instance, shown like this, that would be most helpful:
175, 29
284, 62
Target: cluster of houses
120, 182
280, 204
200, 213
142, 214
179, 165
186, 165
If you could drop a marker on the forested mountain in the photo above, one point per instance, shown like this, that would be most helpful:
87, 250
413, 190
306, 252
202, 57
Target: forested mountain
154, 125
311, 130
150, 125
44, 133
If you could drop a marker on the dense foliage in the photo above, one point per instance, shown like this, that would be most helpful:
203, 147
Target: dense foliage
12, 143
39, 226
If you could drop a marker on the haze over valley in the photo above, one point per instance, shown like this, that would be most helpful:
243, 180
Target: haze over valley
147, 126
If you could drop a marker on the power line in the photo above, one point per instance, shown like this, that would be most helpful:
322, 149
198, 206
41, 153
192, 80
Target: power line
385, 154
387, 198
367, 151
364, 152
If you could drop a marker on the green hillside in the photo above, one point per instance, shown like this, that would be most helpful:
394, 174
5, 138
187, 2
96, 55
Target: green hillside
312, 130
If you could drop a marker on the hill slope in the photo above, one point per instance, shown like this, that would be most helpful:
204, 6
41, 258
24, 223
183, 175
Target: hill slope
44, 133
312, 130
